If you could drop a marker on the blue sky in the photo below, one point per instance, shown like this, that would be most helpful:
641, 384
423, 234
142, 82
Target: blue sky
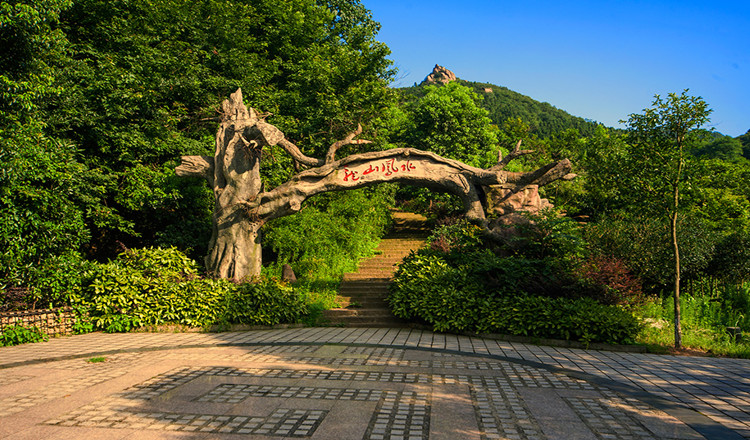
600, 60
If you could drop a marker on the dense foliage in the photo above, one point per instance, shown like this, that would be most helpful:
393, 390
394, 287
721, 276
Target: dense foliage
154, 286
529, 285
626, 191
332, 232
17, 334
100, 99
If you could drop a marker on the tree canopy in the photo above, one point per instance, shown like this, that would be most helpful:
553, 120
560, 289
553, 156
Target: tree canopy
101, 98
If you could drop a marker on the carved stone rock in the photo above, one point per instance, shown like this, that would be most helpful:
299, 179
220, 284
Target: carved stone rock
504, 199
287, 274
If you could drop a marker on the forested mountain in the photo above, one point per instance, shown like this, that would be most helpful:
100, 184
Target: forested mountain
745, 140
544, 119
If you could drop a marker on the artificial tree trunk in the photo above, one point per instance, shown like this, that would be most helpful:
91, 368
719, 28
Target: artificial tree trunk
242, 206
234, 175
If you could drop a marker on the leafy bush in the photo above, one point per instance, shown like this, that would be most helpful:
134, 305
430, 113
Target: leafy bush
616, 284
432, 204
581, 319
459, 284
16, 334
459, 236
731, 261
449, 300
644, 245
267, 302
156, 286
549, 235
331, 233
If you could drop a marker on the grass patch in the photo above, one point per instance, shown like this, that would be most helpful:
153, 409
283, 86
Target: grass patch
319, 295
96, 360
700, 335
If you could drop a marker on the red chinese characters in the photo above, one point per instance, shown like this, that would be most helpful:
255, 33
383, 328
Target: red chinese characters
385, 168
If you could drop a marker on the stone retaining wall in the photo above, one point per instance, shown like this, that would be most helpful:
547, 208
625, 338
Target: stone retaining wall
52, 322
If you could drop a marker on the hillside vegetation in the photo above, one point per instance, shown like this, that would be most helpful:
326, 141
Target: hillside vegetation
544, 119
100, 99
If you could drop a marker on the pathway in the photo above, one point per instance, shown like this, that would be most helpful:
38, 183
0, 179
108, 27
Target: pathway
361, 383
363, 294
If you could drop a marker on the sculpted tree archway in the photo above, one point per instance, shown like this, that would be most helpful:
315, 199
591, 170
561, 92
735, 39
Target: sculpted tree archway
242, 205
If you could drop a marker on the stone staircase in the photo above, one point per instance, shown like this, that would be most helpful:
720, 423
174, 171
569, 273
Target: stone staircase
362, 294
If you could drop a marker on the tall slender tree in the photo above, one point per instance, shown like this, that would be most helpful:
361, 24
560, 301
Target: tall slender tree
659, 138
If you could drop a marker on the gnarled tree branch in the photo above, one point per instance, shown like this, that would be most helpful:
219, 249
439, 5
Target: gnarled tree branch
243, 206
404, 165
515, 154
348, 140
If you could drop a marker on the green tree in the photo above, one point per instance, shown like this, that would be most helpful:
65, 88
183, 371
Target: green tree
144, 79
745, 141
726, 148
450, 121
99, 99
659, 138
31, 44
719, 195
48, 197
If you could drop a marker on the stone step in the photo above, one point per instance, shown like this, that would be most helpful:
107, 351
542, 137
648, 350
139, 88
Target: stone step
379, 263
360, 277
356, 293
353, 303
369, 322
363, 294
369, 293
376, 265
358, 312
396, 259
354, 286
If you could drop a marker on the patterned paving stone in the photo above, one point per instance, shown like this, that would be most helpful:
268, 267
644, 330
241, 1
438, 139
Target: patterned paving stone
236, 393
115, 414
253, 389
92, 375
8, 379
400, 416
613, 417
501, 413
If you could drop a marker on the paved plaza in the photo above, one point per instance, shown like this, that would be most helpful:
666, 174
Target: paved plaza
360, 383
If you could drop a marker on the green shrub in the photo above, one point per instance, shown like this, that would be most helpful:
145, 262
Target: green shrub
731, 261
611, 282
549, 235
581, 319
268, 302
331, 233
644, 245
153, 262
158, 286
461, 236
459, 284
16, 334
448, 302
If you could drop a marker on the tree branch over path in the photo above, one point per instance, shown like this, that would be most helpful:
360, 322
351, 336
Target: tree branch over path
242, 205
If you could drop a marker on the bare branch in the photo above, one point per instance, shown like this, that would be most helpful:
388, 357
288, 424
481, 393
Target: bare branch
544, 175
297, 154
197, 166
348, 140
515, 154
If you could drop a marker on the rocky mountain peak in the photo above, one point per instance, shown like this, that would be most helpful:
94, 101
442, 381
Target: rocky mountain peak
441, 75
